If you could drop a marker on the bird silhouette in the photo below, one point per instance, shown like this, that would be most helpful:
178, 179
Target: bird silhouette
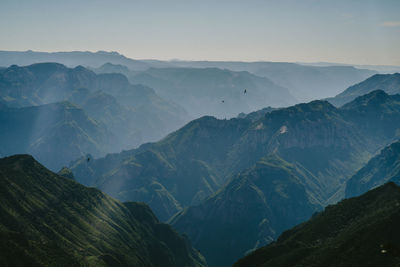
245, 91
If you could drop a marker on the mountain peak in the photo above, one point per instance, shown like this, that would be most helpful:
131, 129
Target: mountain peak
18, 158
371, 100
390, 83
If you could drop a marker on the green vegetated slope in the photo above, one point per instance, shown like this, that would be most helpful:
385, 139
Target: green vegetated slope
188, 164
360, 231
49, 220
390, 83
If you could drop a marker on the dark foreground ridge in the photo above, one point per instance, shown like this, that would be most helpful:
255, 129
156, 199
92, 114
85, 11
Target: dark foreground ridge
360, 231
49, 220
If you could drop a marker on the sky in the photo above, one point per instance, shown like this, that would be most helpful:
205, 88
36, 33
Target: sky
341, 31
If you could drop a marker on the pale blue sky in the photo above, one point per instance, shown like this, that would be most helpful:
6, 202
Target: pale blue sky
355, 32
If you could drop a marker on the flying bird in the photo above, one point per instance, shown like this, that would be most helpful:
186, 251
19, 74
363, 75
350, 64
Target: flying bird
223, 101
245, 91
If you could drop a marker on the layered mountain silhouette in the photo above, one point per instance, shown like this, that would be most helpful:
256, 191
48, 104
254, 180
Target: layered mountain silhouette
54, 133
318, 144
133, 114
224, 147
49, 220
390, 83
305, 82
231, 186
383, 168
71, 59
360, 231
202, 90
301, 155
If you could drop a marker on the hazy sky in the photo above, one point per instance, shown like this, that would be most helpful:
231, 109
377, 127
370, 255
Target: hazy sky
346, 31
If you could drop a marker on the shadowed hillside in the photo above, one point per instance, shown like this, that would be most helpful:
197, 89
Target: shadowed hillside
360, 231
49, 220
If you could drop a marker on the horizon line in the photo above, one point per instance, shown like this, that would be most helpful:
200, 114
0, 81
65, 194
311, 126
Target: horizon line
202, 60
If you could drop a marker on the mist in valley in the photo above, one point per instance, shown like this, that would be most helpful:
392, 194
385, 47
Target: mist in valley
199, 133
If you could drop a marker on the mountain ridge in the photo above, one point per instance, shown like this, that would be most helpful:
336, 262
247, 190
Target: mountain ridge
390, 83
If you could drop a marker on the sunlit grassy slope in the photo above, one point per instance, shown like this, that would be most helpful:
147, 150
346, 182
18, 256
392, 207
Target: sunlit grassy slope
49, 220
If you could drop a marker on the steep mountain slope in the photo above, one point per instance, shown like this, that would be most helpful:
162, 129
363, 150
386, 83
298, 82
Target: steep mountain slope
366, 111
390, 83
250, 211
55, 133
381, 169
360, 231
187, 163
201, 91
48, 220
315, 135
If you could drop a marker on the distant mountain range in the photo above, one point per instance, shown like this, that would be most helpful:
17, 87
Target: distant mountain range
124, 115
360, 231
305, 83
213, 91
49, 220
390, 83
382, 69
71, 59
